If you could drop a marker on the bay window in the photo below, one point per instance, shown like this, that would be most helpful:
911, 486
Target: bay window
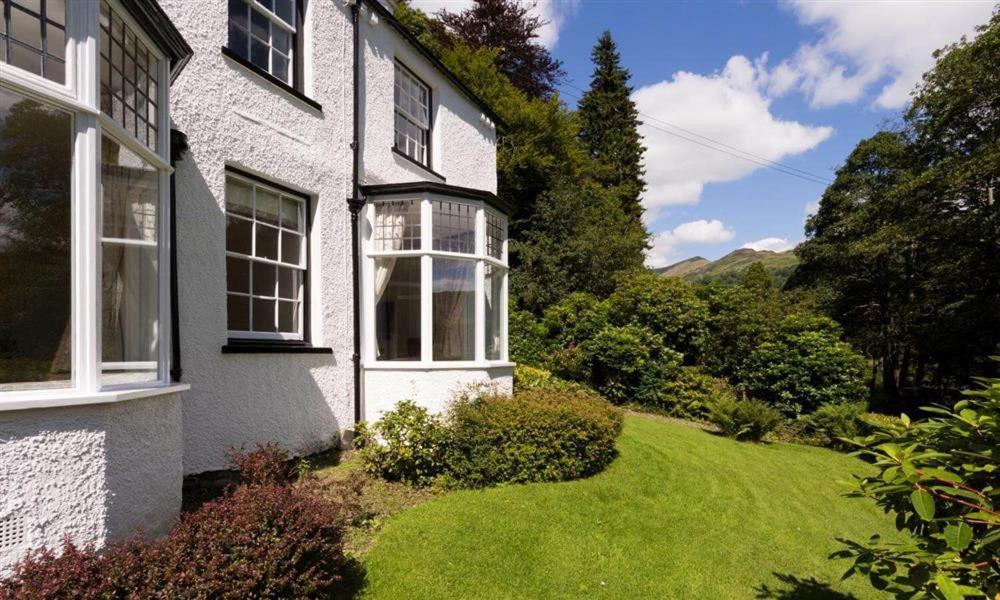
436, 281
84, 174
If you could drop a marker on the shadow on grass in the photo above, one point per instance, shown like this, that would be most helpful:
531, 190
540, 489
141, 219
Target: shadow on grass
799, 588
354, 581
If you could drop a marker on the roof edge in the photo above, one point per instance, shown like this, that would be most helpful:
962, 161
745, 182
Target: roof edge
412, 39
158, 26
434, 187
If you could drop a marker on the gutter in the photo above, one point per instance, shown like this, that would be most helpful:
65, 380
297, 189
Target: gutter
354, 203
178, 146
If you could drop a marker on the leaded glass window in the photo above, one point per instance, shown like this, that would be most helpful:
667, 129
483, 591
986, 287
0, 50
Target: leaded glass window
454, 227
33, 36
129, 78
397, 225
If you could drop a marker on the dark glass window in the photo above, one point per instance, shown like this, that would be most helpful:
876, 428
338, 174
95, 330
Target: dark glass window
264, 33
129, 78
33, 36
36, 145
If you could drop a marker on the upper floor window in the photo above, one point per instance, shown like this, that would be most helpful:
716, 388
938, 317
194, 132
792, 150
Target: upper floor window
33, 36
265, 260
264, 33
412, 99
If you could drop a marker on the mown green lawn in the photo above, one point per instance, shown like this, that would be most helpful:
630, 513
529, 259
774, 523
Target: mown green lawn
681, 513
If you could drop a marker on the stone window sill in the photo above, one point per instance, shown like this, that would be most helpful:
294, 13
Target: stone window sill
10, 401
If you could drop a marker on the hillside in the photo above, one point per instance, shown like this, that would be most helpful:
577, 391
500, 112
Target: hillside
730, 268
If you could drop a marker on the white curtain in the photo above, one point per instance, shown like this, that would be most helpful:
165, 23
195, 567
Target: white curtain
390, 227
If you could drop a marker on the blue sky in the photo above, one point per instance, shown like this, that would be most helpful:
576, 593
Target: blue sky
794, 82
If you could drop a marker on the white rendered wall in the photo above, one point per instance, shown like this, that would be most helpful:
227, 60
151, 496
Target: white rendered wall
94, 473
233, 116
463, 148
431, 388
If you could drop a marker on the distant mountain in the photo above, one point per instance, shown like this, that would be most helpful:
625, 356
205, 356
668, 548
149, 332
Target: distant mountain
730, 268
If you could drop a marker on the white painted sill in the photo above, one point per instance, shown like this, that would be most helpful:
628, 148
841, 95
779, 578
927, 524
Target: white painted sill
10, 401
436, 366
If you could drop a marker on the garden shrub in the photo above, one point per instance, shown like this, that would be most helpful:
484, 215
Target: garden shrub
667, 306
625, 361
540, 434
268, 463
834, 421
406, 444
527, 378
749, 419
685, 395
941, 479
527, 339
575, 319
264, 540
804, 366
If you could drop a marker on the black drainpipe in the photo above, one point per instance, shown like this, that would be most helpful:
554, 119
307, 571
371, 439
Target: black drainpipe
178, 146
354, 204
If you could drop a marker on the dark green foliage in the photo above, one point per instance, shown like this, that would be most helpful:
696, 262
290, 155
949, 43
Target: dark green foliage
541, 434
740, 319
507, 26
609, 128
687, 395
906, 241
575, 319
940, 477
803, 366
628, 363
527, 343
667, 306
748, 420
406, 444
832, 422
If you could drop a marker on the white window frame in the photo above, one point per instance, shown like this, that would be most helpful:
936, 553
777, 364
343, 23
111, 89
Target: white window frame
80, 95
427, 256
415, 120
275, 21
236, 334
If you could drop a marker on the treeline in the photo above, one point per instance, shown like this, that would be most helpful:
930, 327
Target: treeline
904, 251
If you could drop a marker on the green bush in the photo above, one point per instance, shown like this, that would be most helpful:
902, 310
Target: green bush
667, 306
686, 395
804, 366
834, 421
941, 478
528, 378
575, 319
527, 339
406, 444
748, 420
626, 362
535, 435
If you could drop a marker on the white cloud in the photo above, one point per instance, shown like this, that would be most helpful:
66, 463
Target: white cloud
666, 245
728, 106
553, 11
812, 208
774, 244
864, 44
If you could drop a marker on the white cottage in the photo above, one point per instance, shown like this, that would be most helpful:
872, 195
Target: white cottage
222, 223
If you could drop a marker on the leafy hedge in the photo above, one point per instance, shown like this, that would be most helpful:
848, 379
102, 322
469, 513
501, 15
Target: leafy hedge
267, 539
543, 433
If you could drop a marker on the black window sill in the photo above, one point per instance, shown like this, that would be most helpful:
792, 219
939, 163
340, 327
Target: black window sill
281, 85
418, 164
272, 347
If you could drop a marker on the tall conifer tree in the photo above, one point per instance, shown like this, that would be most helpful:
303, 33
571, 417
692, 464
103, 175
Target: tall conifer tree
609, 127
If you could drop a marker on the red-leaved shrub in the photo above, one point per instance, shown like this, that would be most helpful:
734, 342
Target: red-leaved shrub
262, 540
269, 463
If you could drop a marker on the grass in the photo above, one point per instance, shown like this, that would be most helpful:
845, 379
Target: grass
682, 513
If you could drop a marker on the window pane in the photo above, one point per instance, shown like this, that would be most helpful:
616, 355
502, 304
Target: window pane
264, 279
238, 313
290, 217
454, 227
284, 9
279, 65
263, 316
130, 193
26, 58
397, 225
239, 197
260, 27
267, 206
26, 28
289, 281
494, 316
397, 308
267, 242
238, 13
237, 275
288, 317
129, 305
55, 10
454, 312
36, 145
494, 235
291, 248
124, 82
239, 235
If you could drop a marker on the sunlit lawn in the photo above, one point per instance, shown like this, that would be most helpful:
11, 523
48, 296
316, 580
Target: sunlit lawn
681, 513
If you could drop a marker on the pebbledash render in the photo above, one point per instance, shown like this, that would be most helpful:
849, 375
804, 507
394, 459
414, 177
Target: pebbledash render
224, 223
